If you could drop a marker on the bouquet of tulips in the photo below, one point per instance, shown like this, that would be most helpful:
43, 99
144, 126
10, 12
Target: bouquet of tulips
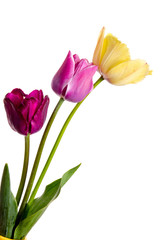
26, 114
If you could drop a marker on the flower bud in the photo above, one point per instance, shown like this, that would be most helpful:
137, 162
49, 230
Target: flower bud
26, 113
73, 81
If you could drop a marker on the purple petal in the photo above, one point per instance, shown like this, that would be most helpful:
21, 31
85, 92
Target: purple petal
64, 74
40, 116
15, 118
18, 92
81, 84
24, 109
36, 94
33, 108
32, 102
29, 108
16, 96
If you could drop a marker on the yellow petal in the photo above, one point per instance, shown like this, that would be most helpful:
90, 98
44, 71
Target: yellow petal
114, 52
131, 71
98, 49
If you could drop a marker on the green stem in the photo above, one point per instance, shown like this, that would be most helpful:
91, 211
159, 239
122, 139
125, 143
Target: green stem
25, 168
38, 156
57, 143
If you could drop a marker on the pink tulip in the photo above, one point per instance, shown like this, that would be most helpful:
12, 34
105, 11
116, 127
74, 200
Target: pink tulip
26, 113
73, 81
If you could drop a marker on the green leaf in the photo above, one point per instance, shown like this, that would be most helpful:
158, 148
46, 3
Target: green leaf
49, 195
68, 175
37, 207
25, 225
8, 206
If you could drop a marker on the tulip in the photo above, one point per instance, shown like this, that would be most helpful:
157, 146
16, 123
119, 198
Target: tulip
114, 64
73, 81
26, 113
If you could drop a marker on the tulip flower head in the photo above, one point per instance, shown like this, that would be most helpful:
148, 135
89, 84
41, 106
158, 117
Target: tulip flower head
113, 60
73, 81
26, 113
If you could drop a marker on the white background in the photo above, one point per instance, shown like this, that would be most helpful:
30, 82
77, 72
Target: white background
116, 132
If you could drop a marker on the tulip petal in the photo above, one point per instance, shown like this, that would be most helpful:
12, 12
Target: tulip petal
113, 53
81, 84
131, 71
83, 63
31, 104
64, 74
36, 94
18, 92
97, 56
16, 96
33, 107
15, 118
29, 107
76, 58
40, 116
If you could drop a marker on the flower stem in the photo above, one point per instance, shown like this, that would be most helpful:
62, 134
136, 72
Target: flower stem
38, 156
25, 169
57, 143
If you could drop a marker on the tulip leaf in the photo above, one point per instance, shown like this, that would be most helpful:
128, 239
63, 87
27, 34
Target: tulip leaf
37, 207
8, 206
68, 175
47, 197
25, 225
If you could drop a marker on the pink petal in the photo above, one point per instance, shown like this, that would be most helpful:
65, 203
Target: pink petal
81, 84
76, 58
83, 63
64, 74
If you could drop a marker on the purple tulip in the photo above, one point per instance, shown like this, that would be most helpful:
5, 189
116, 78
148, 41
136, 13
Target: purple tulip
26, 113
73, 81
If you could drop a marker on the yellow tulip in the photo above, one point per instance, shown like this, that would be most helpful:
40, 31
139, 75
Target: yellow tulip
113, 60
